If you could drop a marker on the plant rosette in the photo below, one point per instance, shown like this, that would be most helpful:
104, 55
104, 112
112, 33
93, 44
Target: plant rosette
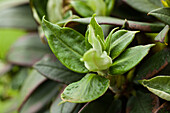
94, 55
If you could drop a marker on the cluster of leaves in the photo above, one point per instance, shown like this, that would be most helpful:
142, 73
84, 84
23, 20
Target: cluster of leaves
82, 56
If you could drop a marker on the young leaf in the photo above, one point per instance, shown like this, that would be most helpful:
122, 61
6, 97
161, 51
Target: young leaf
98, 6
51, 68
96, 62
142, 103
161, 36
89, 88
119, 41
159, 85
109, 6
67, 44
54, 10
82, 8
129, 59
162, 14
96, 36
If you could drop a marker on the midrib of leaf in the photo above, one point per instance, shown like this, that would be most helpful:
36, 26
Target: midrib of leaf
67, 46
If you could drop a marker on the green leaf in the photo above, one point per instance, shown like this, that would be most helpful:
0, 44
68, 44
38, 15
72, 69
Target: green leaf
89, 88
51, 68
82, 8
144, 5
129, 59
95, 61
142, 103
96, 36
153, 65
162, 14
159, 85
109, 6
118, 41
67, 44
55, 10
18, 17
31, 83
98, 6
18, 79
27, 50
63, 108
135, 25
105, 104
161, 36
39, 8
40, 97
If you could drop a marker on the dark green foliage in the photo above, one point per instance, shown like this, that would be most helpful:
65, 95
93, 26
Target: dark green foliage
85, 56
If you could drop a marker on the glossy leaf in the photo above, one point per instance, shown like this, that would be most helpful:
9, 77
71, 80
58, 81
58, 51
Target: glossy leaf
144, 5
27, 50
17, 17
40, 97
89, 88
118, 41
153, 65
51, 68
67, 44
129, 59
162, 14
159, 85
161, 36
82, 8
63, 108
135, 25
105, 104
142, 103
